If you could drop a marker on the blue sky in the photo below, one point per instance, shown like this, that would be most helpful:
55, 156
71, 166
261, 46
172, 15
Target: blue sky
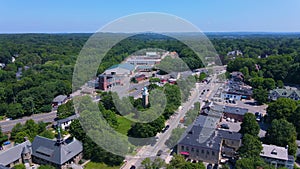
66, 16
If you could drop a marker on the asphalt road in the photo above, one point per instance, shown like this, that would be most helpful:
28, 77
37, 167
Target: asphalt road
150, 151
45, 117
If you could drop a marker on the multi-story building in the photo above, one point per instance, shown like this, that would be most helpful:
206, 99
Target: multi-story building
203, 141
277, 156
115, 75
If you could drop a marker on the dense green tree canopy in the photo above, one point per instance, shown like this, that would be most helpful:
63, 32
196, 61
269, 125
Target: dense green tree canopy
282, 133
249, 125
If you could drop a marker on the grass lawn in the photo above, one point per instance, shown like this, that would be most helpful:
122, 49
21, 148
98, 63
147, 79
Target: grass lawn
95, 165
124, 125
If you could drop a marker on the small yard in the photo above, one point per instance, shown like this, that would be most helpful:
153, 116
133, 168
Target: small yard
124, 125
95, 165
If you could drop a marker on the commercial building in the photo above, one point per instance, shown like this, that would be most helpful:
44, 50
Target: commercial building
277, 156
203, 141
236, 90
235, 113
115, 75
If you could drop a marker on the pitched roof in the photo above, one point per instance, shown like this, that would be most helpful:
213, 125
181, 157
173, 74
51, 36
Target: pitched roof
49, 150
60, 98
276, 152
14, 153
285, 92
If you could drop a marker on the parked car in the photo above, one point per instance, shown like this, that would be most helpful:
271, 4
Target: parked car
132, 167
159, 153
166, 128
216, 166
224, 126
209, 166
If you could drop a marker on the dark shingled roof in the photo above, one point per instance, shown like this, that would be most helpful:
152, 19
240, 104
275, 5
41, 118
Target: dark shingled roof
14, 153
49, 150
202, 137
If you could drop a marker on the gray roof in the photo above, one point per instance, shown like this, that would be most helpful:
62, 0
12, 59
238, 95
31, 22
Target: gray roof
285, 92
53, 152
203, 133
14, 153
3, 167
276, 152
67, 119
235, 110
126, 66
202, 137
60, 98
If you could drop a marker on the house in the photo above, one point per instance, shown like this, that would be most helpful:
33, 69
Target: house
65, 123
19, 154
237, 76
284, 93
124, 69
59, 153
235, 113
277, 156
59, 100
235, 53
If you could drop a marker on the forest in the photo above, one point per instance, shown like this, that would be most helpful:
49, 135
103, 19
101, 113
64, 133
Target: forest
45, 62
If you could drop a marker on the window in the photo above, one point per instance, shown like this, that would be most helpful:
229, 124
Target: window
207, 152
187, 148
213, 153
182, 147
192, 149
202, 151
197, 150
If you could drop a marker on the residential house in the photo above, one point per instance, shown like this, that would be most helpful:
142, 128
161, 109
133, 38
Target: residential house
277, 156
66, 122
19, 154
59, 100
284, 93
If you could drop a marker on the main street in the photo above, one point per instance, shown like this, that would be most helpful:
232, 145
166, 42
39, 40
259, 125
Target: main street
151, 150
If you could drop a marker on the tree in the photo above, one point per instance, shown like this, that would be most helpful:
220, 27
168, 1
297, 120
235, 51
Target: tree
282, 133
295, 119
260, 95
3, 137
156, 164
251, 147
249, 125
65, 110
48, 134
281, 108
178, 161
19, 138
19, 166
269, 84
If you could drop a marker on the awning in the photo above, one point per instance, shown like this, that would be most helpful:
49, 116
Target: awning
184, 153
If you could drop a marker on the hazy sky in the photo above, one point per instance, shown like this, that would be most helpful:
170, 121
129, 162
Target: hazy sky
90, 15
